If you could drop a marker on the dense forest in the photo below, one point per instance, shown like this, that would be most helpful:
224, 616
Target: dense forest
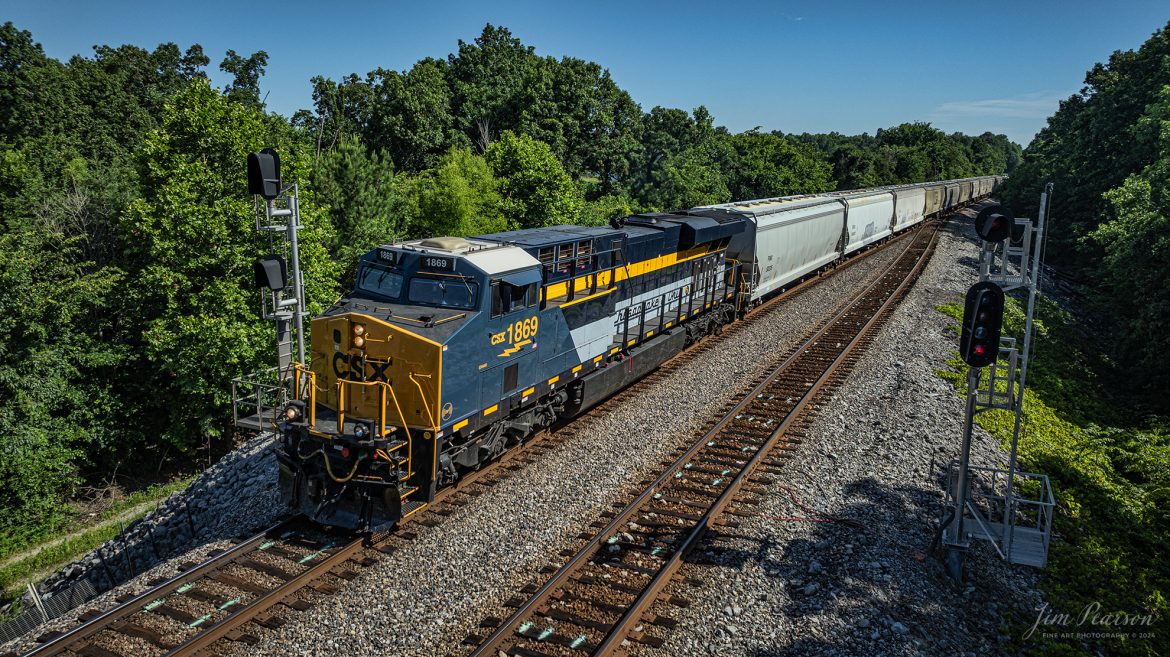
126, 237
1107, 151
1097, 406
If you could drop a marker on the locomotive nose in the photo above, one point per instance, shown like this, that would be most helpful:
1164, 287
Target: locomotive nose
378, 371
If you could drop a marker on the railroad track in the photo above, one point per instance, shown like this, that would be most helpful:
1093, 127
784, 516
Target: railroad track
258, 580
599, 600
262, 578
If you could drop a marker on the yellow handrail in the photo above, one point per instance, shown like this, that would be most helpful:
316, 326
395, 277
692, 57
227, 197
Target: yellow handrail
300, 370
405, 428
383, 389
343, 386
422, 395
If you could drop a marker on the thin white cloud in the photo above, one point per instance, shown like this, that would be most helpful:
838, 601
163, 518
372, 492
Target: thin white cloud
1021, 107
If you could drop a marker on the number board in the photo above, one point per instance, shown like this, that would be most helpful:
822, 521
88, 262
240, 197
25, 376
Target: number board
441, 263
387, 256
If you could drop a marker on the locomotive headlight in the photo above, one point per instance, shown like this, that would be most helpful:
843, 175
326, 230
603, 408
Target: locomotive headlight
359, 341
359, 329
294, 411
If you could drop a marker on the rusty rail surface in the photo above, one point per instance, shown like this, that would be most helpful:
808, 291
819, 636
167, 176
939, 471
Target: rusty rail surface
286, 546
593, 603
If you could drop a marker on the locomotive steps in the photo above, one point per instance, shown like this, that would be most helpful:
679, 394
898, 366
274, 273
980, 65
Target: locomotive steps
825, 291
433, 591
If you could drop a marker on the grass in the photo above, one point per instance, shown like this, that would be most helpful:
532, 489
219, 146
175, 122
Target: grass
30, 555
1110, 469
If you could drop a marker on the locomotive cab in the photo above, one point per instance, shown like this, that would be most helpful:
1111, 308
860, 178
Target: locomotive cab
391, 363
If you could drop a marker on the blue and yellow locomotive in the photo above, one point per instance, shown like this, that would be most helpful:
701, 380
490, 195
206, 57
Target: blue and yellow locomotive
449, 350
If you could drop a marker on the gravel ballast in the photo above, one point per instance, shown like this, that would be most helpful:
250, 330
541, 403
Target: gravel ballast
869, 456
424, 599
236, 496
875, 455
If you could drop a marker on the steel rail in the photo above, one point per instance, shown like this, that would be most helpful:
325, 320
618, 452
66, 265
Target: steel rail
246, 613
506, 630
266, 601
138, 603
637, 609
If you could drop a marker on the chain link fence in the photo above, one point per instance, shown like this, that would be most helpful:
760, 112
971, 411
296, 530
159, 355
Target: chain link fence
43, 610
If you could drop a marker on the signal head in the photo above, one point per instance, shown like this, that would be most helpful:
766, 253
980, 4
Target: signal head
264, 174
994, 223
982, 321
271, 273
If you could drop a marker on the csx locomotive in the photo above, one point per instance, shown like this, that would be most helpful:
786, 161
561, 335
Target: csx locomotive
449, 350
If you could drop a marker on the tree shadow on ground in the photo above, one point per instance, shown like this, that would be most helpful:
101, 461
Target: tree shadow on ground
876, 588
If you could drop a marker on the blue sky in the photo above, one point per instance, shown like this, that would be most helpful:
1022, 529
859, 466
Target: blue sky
791, 66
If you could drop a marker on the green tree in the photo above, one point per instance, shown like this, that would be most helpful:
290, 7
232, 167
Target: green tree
56, 409
1103, 150
855, 167
410, 115
246, 73
600, 211
488, 80
340, 111
534, 187
767, 165
663, 158
458, 197
365, 206
1090, 146
591, 124
921, 152
1135, 276
189, 244
685, 180
37, 95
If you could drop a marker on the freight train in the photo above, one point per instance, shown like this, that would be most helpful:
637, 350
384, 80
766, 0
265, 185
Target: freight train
449, 351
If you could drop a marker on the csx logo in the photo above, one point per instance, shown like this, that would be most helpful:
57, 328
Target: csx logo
357, 368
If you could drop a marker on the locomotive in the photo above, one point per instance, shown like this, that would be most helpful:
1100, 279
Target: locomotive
449, 351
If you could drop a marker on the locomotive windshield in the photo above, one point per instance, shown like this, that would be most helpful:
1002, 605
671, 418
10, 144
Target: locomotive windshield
445, 293
379, 281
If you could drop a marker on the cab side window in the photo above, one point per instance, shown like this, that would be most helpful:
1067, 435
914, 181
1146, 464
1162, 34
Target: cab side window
507, 297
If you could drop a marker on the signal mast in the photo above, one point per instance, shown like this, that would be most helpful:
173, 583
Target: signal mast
1009, 508
259, 396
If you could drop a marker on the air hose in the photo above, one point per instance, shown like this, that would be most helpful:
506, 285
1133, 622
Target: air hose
329, 467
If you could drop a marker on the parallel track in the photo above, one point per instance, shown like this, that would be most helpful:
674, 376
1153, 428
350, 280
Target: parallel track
592, 604
263, 576
295, 558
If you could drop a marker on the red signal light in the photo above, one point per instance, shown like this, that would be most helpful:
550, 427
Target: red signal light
344, 452
993, 223
982, 320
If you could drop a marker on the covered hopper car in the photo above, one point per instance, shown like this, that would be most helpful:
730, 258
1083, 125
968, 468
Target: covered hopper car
449, 351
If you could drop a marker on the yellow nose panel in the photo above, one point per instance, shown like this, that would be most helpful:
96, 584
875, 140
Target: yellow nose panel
363, 365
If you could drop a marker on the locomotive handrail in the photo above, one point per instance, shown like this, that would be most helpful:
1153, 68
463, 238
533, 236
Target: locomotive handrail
449, 319
299, 369
383, 388
423, 396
